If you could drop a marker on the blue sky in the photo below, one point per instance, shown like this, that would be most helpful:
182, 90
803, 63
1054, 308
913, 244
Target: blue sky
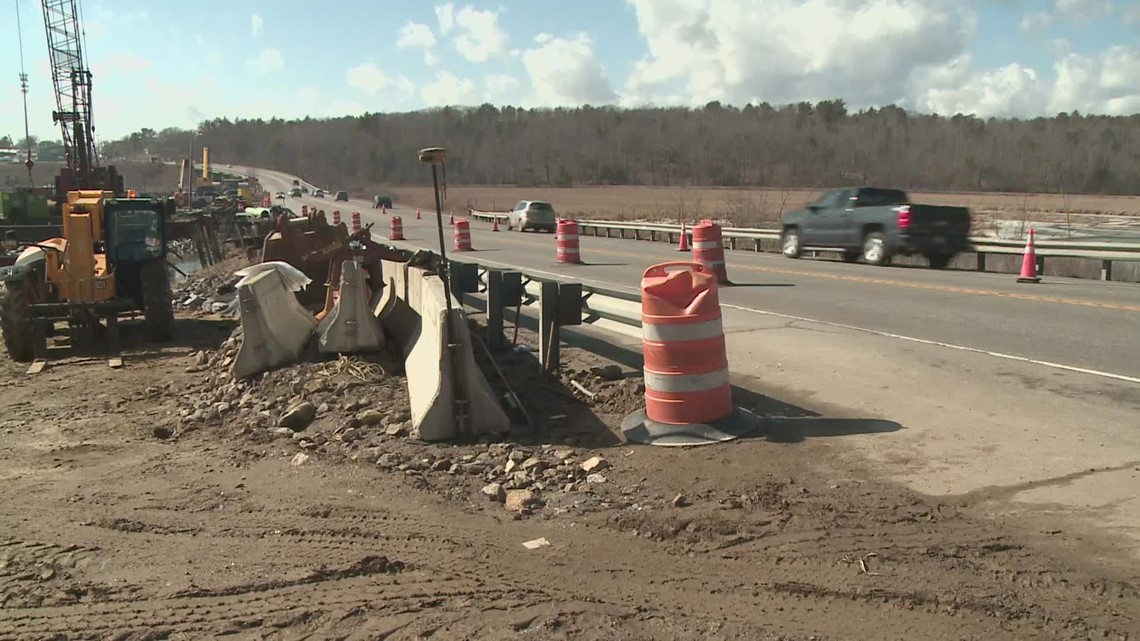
174, 64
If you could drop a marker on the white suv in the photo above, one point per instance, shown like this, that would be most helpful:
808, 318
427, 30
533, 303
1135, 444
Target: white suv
532, 214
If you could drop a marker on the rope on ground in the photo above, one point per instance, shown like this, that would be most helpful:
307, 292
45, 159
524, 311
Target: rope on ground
349, 366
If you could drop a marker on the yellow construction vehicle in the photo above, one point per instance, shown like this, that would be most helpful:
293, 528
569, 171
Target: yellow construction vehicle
110, 261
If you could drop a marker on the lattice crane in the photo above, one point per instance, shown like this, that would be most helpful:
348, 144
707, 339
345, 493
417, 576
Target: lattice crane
72, 83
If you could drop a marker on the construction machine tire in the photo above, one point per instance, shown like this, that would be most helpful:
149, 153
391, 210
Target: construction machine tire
157, 299
16, 323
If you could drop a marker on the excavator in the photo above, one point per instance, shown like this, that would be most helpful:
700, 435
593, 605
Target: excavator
111, 258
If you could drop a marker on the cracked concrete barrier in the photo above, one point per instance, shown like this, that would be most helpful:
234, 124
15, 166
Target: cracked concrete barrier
414, 311
275, 327
351, 326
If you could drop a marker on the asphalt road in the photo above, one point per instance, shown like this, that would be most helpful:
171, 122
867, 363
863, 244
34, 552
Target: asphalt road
1068, 322
1019, 400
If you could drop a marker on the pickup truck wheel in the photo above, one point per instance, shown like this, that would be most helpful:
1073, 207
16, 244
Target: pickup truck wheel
874, 249
790, 243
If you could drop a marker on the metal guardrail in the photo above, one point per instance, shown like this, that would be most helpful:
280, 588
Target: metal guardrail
980, 245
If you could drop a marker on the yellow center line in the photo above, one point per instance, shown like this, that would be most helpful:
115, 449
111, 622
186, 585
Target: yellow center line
868, 280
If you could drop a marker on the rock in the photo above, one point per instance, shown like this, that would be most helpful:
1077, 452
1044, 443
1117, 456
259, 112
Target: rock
396, 429
441, 465
355, 404
300, 459
595, 478
680, 500
162, 432
563, 455
510, 466
202, 358
594, 464
520, 500
282, 432
349, 435
370, 417
609, 372
298, 416
494, 492
388, 460
534, 464
517, 456
323, 408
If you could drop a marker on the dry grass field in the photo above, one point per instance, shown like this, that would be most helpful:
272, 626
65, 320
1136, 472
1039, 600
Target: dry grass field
145, 177
746, 206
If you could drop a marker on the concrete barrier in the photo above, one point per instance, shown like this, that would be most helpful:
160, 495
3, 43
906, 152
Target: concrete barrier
351, 326
414, 311
275, 327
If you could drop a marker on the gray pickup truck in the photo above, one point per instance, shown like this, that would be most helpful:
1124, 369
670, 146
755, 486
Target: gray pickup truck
876, 224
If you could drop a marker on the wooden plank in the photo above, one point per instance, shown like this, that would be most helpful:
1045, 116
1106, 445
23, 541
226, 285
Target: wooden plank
37, 366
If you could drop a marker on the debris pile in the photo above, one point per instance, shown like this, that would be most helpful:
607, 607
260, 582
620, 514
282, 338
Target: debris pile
340, 402
210, 290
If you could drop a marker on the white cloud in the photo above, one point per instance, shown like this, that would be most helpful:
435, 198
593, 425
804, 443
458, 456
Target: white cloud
445, 14
256, 22
501, 89
1012, 90
566, 72
481, 36
267, 60
415, 35
369, 78
1106, 83
1083, 10
448, 90
787, 50
1036, 22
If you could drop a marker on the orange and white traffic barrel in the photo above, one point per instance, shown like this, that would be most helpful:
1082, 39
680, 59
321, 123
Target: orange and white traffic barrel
397, 229
688, 397
567, 242
708, 248
336, 216
356, 226
304, 211
462, 235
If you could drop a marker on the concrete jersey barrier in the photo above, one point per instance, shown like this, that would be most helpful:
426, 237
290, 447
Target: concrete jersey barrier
414, 310
351, 326
275, 327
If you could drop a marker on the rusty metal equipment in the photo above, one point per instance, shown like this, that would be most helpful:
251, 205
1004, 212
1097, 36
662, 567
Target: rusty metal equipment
359, 245
307, 243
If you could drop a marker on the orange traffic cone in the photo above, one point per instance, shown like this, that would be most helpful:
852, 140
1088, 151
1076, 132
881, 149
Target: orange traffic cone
417, 213
451, 217
683, 245
495, 224
1029, 262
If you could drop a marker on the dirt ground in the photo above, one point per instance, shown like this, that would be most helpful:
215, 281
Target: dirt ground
750, 206
165, 501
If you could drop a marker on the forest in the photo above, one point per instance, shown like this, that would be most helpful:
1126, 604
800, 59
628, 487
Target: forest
801, 145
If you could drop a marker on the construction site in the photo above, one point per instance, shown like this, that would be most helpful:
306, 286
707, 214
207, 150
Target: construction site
220, 417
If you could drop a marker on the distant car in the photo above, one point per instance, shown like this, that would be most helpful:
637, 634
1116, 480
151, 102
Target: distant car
280, 195
318, 193
304, 189
295, 192
342, 195
532, 214
381, 200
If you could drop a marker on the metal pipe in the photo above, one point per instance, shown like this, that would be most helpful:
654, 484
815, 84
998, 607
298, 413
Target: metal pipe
460, 408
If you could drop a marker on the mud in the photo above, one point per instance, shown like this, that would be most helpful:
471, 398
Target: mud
211, 527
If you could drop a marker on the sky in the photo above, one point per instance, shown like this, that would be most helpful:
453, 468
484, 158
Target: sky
167, 64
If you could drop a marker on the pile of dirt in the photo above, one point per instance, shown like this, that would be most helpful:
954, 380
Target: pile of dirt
211, 289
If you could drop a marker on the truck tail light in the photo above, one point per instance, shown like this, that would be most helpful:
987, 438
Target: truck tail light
904, 217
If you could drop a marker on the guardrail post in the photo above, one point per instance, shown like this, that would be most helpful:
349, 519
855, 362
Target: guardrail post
981, 260
1106, 270
495, 305
548, 327
1040, 265
464, 277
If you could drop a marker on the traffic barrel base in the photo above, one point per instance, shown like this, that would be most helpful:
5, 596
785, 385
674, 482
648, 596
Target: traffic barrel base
688, 397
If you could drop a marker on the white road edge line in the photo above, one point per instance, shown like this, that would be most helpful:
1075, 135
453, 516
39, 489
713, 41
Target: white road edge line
925, 341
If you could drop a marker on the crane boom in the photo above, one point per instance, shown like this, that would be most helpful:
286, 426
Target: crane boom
72, 83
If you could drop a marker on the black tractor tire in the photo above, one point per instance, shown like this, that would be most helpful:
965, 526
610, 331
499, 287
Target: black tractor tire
16, 323
157, 299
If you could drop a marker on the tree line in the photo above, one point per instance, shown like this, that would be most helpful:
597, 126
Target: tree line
800, 145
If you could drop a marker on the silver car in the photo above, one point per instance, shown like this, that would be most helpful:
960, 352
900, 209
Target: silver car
532, 214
